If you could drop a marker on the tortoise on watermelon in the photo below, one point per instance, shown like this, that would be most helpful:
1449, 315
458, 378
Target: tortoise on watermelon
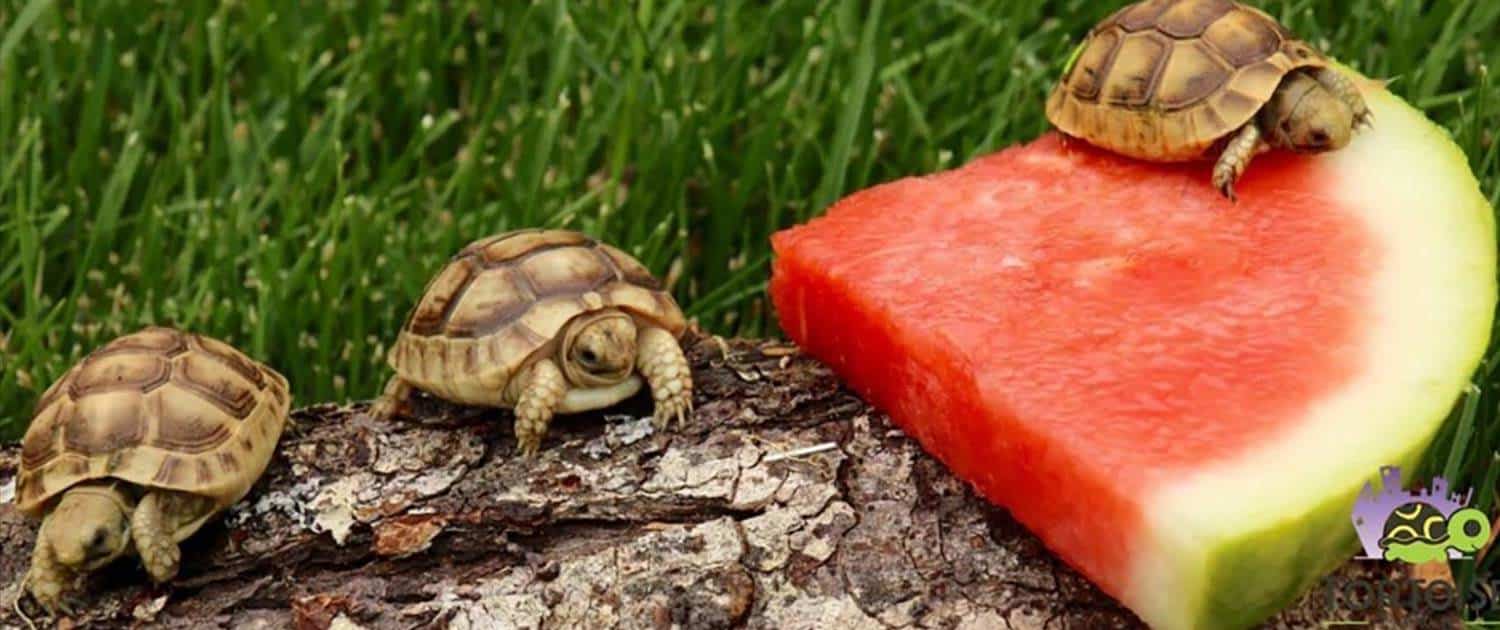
544, 322
1183, 80
139, 445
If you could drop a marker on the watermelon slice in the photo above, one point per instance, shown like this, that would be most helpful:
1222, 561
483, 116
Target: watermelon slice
1181, 396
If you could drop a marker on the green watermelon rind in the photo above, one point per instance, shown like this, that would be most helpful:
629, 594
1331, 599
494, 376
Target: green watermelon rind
1246, 572
1242, 596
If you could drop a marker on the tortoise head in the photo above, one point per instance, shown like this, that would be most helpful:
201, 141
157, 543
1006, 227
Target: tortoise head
1306, 117
599, 348
90, 526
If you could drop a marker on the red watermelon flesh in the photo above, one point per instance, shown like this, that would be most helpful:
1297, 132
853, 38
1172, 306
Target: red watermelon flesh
1101, 344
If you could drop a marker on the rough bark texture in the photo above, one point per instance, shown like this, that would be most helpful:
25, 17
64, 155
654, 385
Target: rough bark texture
432, 523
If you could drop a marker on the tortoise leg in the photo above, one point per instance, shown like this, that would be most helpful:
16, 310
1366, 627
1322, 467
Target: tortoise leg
544, 389
1231, 165
151, 529
48, 578
393, 400
666, 369
1339, 83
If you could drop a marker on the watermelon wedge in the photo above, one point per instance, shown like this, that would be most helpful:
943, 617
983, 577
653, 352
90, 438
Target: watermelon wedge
1179, 395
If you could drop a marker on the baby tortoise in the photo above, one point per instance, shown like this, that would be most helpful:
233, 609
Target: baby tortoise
1183, 80
544, 322
139, 445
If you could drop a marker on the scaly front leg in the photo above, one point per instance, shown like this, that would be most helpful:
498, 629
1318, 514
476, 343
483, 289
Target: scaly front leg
666, 370
1339, 83
48, 578
543, 390
1236, 158
153, 538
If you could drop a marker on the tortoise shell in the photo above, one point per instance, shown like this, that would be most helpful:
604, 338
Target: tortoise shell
1167, 80
157, 408
1415, 522
501, 302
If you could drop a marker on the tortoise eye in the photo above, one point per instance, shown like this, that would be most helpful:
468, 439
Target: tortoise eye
1319, 138
588, 356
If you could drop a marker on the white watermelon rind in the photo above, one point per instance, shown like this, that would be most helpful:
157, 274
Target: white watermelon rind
1232, 544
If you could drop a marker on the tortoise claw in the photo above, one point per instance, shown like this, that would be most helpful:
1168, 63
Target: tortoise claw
676, 407
1226, 188
528, 449
64, 606
51, 600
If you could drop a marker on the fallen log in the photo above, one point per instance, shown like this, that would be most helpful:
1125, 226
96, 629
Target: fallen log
786, 502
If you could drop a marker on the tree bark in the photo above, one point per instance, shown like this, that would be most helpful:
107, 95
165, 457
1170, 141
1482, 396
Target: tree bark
786, 502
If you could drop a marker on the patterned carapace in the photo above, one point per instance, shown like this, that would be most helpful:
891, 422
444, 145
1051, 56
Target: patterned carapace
157, 408
1167, 79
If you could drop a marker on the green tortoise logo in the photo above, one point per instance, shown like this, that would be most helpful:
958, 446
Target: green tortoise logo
1419, 533
1418, 526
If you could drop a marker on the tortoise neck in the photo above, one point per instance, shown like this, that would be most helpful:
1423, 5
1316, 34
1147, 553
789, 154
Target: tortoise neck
112, 490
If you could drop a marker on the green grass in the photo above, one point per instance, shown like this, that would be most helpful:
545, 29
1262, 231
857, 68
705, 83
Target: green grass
287, 175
